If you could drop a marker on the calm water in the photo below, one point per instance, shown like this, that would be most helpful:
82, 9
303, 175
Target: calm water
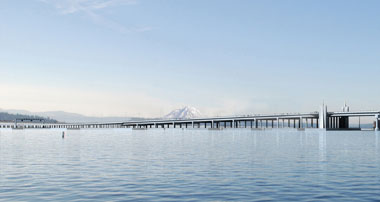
190, 165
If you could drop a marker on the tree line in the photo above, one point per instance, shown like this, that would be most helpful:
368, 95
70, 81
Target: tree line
4, 116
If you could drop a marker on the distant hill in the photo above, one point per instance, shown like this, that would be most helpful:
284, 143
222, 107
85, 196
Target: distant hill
4, 116
68, 117
184, 113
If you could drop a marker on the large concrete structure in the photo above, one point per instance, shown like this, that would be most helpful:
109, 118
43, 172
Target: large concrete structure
322, 120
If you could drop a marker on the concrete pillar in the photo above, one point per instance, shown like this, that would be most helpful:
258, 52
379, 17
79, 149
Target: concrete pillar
266, 123
377, 122
278, 122
333, 122
338, 122
330, 122
233, 124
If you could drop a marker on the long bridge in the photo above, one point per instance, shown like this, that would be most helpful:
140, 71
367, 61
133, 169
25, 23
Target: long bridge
322, 120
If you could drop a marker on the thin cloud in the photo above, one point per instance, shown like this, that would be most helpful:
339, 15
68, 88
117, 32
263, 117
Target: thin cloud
75, 6
91, 8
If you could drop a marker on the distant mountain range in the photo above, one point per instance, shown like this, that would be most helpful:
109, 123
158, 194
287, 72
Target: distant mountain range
61, 116
184, 113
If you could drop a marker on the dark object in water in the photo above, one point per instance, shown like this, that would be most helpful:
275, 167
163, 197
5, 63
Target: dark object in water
63, 134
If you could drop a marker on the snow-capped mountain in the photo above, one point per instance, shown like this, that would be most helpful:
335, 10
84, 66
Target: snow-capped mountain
184, 113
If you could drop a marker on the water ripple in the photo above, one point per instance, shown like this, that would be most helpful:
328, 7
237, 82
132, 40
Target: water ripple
189, 165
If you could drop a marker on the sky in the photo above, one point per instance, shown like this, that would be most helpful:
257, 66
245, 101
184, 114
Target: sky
225, 57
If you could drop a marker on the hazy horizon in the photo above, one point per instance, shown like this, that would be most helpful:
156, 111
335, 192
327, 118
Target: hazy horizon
145, 58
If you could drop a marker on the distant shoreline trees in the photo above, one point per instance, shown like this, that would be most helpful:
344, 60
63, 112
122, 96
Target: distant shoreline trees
4, 116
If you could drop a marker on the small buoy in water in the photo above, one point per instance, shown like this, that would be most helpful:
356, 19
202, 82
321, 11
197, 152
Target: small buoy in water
63, 134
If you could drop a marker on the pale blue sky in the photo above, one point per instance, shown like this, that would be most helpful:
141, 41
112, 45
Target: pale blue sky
147, 57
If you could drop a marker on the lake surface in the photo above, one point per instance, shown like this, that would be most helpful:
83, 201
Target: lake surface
189, 165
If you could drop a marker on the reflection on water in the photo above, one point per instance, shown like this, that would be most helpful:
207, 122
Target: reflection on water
189, 165
322, 144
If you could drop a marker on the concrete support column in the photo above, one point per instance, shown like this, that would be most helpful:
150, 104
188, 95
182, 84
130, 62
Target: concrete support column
333, 122
377, 122
278, 122
330, 122
338, 122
